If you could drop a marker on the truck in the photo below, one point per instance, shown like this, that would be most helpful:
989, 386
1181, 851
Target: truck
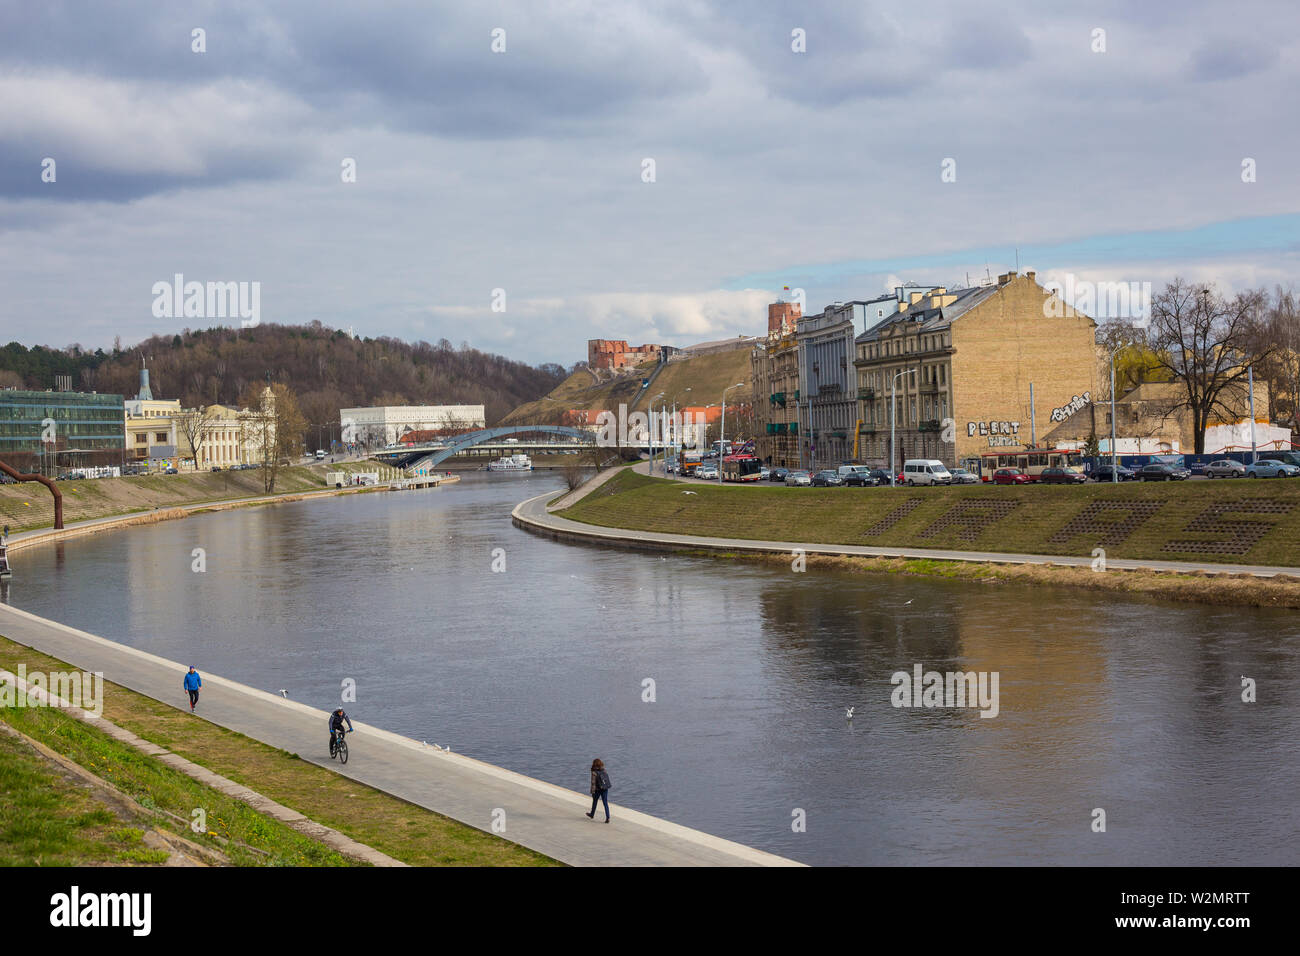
320, 454
688, 463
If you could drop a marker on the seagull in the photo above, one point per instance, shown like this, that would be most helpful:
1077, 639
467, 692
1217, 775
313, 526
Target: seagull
906, 603
848, 713
689, 492
283, 692
446, 749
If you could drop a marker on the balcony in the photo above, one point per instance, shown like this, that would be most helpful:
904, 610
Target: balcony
929, 388
929, 425
777, 398
866, 394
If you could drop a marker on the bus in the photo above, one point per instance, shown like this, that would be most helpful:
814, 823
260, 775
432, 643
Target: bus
1031, 461
741, 468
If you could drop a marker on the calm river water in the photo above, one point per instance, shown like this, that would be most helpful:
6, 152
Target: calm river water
1128, 705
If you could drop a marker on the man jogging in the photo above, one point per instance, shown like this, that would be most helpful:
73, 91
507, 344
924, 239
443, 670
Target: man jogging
192, 683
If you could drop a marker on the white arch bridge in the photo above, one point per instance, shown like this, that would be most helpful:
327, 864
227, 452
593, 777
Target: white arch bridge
549, 439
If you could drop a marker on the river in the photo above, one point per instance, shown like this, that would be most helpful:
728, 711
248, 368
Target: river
1127, 705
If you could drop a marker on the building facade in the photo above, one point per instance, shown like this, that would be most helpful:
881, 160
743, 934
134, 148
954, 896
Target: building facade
957, 369
774, 370
151, 427
50, 432
828, 401
385, 425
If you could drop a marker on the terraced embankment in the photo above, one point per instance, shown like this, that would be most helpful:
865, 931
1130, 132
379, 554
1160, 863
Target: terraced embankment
1169, 537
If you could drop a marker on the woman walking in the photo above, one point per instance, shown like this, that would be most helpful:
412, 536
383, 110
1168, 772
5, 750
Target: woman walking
599, 787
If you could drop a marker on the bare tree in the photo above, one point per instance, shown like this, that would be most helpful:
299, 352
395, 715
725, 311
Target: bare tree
1206, 342
194, 425
1281, 366
276, 428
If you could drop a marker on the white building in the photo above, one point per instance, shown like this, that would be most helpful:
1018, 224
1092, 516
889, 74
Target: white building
386, 424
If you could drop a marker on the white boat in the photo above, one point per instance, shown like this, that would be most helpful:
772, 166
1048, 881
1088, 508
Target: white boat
512, 463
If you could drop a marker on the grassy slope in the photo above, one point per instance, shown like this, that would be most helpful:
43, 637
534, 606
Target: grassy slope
705, 375
29, 505
400, 829
56, 826
844, 515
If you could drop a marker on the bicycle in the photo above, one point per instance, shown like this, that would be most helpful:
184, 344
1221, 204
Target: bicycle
340, 746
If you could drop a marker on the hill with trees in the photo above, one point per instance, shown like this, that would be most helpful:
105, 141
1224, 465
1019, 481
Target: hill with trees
326, 368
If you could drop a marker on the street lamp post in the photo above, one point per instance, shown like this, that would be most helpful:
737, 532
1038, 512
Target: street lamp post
1114, 461
893, 406
722, 428
650, 421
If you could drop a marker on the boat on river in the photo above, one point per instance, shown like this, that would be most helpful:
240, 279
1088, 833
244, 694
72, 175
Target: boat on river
512, 463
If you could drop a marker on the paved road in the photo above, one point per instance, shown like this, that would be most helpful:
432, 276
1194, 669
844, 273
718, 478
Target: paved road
539, 815
532, 515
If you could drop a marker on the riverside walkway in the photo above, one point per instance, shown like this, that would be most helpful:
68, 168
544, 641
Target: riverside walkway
533, 515
542, 816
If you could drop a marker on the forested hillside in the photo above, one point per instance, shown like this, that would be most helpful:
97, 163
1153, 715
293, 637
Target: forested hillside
328, 369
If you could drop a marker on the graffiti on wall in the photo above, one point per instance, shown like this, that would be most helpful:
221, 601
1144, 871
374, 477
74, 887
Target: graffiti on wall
998, 433
1070, 407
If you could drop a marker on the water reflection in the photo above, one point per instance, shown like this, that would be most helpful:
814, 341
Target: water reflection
1128, 705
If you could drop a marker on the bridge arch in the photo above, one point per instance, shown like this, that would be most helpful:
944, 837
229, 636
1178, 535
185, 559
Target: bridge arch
469, 439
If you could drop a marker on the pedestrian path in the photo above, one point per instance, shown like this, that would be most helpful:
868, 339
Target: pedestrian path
540, 815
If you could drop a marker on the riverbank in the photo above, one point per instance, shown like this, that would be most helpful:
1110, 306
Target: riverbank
284, 818
111, 507
633, 511
547, 819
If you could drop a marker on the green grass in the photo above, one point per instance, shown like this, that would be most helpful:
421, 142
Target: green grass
47, 820
157, 786
28, 505
846, 515
400, 829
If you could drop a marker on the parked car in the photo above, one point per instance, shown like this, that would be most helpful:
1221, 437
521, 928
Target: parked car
861, 478
1159, 471
1102, 473
798, 478
827, 479
216, 467
960, 476
1062, 476
1225, 468
881, 475
6, 480
1271, 468
777, 474
171, 471
1010, 476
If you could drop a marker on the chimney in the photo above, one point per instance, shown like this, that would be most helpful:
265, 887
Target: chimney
1030, 276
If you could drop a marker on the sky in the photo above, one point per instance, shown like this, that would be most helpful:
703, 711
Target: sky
531, 175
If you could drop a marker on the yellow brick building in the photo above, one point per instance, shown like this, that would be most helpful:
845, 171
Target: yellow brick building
962, 363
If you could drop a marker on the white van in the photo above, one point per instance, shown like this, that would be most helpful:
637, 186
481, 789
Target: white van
926, 471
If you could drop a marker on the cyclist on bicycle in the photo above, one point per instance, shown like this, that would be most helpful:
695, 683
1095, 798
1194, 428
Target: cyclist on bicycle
337, 720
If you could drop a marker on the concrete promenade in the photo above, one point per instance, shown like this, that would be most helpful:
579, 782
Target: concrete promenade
533, 515
539, 815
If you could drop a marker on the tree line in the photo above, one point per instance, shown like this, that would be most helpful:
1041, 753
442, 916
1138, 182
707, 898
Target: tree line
326, 368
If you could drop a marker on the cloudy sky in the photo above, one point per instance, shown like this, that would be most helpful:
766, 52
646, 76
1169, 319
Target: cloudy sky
1114, 156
